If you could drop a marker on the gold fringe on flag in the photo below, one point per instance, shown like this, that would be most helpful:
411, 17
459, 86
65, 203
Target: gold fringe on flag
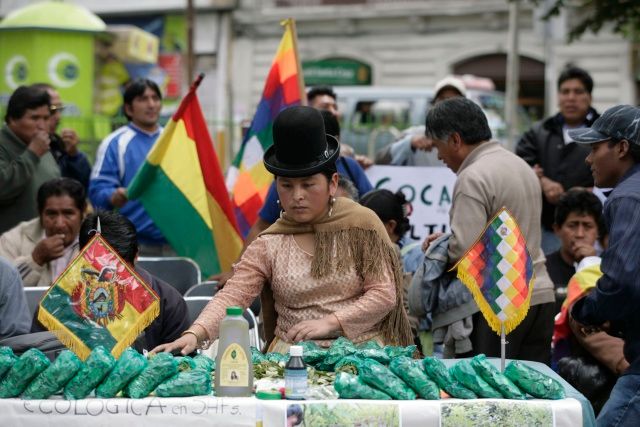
492, 319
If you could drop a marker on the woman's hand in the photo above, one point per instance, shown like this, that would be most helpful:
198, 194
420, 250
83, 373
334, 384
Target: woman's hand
186, 344
325, 328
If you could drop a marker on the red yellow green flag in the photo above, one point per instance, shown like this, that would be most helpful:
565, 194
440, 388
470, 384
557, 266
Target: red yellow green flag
498, 271
182, 188
98, 300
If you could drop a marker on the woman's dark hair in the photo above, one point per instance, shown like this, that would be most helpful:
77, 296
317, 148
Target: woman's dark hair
136, 88
62, 187
116, 229
388, 206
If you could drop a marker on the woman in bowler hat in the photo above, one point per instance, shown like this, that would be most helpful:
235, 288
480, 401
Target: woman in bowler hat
326, 268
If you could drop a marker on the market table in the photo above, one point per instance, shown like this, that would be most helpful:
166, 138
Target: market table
210, 411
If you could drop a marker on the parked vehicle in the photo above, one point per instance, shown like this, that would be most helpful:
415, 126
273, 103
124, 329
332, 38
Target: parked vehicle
374, 116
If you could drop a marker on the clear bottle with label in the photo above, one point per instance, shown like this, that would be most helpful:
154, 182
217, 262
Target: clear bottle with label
234, 370
295, 375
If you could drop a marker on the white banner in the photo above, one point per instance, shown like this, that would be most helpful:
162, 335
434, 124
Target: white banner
429, 189
250, 412
152, 411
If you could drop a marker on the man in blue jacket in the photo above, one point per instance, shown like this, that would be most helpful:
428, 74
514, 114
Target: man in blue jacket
120, 156
615, 162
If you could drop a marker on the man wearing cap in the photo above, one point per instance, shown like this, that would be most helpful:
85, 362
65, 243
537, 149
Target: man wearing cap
413, 148
615, 162
548, 148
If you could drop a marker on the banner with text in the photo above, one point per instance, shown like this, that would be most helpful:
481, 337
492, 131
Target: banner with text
429, 189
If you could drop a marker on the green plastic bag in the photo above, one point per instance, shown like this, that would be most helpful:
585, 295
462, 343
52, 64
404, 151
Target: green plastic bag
27, 367
349, 364
312, 353
379, 376
7, 359
468, 377
372, 350
128, 366
160, 367
188, 383
411, 372
205, 363
393, 351
352, 387
257, 356
533, 382
185, 363
495, 378
440, 374
340, 348
96, 367
55, 377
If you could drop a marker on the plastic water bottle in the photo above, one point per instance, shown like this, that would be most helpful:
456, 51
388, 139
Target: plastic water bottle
295, 375
234, 370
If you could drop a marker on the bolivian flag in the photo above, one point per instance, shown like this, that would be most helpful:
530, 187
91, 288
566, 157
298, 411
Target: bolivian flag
182, 188
98, 300
498, 271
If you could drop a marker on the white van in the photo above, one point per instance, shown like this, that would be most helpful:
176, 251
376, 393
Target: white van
374, 116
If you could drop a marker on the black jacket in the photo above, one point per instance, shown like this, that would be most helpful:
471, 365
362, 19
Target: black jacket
76, 167
544, 145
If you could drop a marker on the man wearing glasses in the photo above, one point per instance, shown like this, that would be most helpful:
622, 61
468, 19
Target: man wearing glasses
64, 146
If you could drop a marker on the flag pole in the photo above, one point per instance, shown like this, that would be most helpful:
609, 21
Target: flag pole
503, 344
294, 33
197, 82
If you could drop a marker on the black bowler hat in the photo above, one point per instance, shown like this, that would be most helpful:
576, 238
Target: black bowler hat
301, 146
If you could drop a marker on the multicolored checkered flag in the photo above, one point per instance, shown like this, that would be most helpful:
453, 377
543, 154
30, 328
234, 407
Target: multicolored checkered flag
98, 300
498, 271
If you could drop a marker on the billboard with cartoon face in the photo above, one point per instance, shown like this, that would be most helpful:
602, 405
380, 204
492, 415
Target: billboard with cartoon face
63, 59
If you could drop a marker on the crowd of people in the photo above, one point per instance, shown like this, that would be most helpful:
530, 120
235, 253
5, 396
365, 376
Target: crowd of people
329, 255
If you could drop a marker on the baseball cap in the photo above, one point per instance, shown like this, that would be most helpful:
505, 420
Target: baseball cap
619, 122
450, 81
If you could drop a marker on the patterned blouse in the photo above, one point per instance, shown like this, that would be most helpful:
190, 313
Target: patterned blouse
359, 304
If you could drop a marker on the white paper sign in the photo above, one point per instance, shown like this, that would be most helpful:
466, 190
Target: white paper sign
429, 189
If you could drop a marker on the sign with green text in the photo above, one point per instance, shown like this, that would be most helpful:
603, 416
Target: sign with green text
336, 72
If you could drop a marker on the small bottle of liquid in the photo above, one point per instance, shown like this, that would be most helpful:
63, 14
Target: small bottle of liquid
295, 375
234, 370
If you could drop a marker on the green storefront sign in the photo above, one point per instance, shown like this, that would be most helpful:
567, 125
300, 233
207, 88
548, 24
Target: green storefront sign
336, 72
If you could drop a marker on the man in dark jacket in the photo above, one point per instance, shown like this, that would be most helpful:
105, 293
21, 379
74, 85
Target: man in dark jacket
64, 146
613, 305
557, 160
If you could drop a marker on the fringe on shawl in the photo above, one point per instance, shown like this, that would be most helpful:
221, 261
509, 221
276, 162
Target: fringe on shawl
365, 250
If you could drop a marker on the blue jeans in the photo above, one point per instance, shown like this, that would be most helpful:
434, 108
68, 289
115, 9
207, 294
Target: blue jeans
623, 406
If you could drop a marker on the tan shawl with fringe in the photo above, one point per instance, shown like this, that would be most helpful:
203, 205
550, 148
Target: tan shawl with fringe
358, 235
